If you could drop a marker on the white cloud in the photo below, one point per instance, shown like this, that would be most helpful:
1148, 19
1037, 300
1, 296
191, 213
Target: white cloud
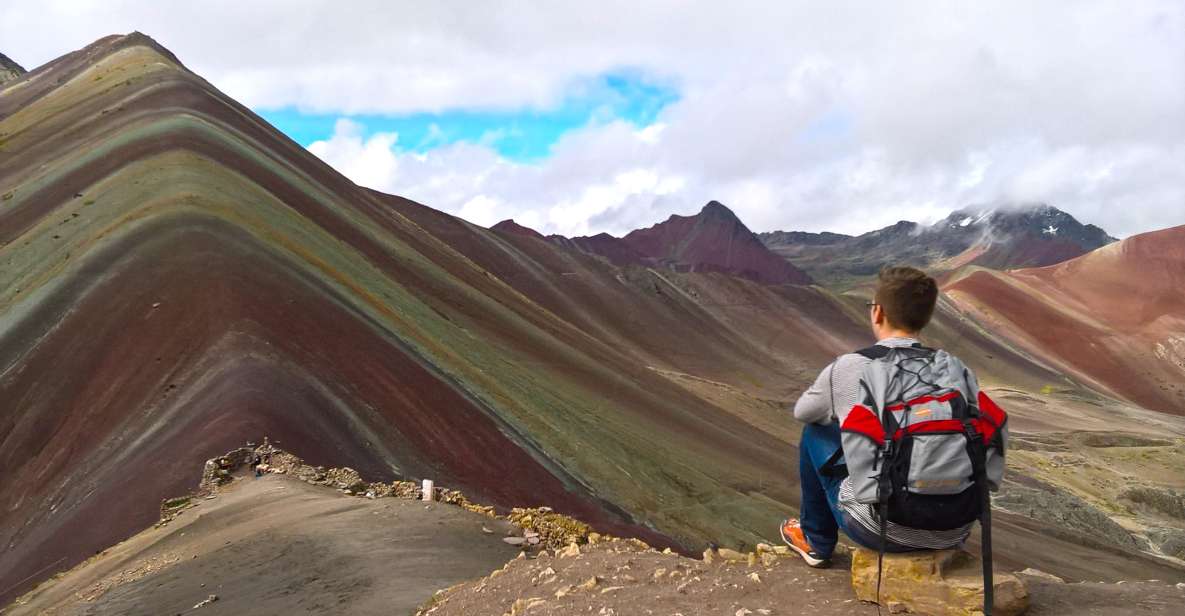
840, 115
370, 162
482, 210
650, 134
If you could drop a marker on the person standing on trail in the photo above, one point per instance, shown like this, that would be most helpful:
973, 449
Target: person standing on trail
900, 446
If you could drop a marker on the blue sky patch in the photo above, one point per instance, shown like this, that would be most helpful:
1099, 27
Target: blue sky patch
834, 125
524, 135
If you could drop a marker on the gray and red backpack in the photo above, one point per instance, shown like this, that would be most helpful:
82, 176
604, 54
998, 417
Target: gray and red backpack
925, 445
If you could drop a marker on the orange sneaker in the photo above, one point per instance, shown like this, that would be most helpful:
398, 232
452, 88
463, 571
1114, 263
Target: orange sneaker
793, 536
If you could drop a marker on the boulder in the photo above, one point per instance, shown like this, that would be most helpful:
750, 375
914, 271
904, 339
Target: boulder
731, 555
940, 583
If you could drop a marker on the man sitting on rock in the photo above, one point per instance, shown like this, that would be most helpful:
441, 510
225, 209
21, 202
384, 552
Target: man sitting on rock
903, 304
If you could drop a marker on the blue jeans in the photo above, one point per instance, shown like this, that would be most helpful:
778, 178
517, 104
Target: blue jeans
821, 516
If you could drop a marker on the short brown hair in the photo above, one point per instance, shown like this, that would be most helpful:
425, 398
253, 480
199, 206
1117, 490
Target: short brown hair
907, 296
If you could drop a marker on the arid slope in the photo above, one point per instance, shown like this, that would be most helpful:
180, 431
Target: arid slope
1113, 318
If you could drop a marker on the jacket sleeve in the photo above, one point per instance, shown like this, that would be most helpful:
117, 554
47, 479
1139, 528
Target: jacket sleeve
814, 406
995, 456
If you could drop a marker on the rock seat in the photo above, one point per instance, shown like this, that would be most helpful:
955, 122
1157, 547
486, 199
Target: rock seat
938, 583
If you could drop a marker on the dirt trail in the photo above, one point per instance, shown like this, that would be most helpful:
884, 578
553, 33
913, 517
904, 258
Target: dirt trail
276, 545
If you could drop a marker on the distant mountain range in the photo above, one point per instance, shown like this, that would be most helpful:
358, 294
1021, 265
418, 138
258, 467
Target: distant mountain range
1005, 238
715, 240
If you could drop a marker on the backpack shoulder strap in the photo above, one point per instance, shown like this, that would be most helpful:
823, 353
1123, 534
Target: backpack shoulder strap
874, 352
878, 351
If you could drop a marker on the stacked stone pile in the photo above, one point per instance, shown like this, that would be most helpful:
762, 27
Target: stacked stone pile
542, 527
550, 530
218, 471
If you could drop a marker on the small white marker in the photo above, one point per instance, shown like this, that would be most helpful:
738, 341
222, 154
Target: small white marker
428, 489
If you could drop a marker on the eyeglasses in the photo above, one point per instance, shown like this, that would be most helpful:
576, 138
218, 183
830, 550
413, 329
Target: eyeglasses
871, 304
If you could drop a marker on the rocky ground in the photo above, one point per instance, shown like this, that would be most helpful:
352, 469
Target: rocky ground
1117, 488
621, 577
618, 578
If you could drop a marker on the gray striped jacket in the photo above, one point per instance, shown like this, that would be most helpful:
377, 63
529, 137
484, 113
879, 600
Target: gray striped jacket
830, 398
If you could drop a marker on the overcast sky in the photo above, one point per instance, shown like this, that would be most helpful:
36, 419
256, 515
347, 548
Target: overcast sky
604, 116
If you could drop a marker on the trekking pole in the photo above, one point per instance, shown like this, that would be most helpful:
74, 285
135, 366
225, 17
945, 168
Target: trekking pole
985, 523
977, 451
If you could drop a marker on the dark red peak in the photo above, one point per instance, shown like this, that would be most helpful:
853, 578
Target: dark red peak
616, 250
715, 210
713, 240
509, 226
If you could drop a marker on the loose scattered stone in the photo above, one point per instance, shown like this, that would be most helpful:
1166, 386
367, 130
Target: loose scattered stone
521, 606
731, 555
1037, 573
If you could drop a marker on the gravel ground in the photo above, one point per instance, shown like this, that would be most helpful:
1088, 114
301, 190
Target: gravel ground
620, 578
